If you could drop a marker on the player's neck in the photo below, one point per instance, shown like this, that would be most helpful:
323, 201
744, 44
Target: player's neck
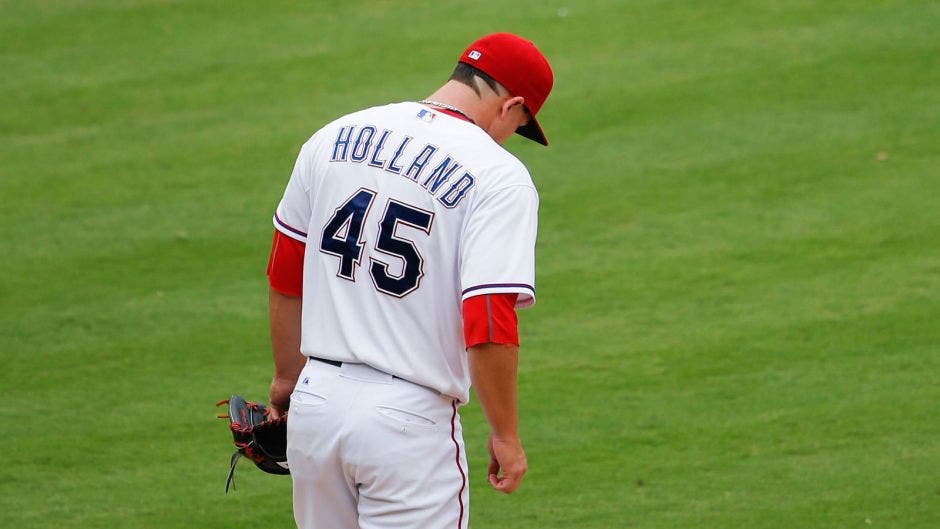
462, 97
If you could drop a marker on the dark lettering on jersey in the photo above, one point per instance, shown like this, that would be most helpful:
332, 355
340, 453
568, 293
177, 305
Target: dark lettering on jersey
414, 170
457, 191
363, 148
375, 162
440, 174
342, 142
391, 167
363, 141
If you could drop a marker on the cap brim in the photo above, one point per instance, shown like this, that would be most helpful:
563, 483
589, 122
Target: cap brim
533, 131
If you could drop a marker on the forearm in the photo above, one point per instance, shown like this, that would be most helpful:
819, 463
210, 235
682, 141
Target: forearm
493, 370
284, 314
493, 374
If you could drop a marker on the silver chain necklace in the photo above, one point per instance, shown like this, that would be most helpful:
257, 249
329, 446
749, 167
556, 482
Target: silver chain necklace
445, 106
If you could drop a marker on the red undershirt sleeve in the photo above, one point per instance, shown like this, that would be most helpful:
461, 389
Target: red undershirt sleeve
490, 318
286, 265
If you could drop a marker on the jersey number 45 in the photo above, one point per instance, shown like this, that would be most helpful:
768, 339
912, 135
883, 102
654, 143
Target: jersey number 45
342, 237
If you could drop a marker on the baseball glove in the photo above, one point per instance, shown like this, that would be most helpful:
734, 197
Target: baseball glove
257, 437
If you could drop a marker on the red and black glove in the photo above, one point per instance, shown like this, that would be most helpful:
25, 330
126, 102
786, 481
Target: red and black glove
257, 437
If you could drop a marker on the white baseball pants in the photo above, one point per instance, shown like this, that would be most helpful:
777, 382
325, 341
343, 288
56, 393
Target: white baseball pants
371, 451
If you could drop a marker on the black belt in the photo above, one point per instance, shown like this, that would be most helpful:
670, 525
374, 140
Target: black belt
336, 363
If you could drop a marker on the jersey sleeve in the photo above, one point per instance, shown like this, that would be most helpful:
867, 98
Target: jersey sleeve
286, 265
497, 253
490, 318
293, 212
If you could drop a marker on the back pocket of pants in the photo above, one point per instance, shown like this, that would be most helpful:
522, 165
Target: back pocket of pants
303, 399
404, 416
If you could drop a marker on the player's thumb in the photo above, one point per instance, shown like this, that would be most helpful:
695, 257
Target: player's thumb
511, 477
493, 468
507, 483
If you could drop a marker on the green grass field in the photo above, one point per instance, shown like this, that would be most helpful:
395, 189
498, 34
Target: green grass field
739, 253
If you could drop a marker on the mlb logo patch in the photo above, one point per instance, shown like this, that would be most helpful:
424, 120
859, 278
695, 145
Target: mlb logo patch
426, 115
474, 54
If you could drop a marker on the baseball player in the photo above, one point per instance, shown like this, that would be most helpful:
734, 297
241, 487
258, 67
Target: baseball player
403, 245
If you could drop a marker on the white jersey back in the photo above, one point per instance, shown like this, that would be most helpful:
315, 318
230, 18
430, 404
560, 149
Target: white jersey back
405, 212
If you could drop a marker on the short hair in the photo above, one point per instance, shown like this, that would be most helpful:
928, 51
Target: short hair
465, 74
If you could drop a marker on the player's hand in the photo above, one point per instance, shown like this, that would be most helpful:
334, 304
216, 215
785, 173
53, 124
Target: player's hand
506, 455
279, 396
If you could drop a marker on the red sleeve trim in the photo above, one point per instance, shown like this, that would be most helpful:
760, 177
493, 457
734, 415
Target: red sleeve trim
490, 318
286, 265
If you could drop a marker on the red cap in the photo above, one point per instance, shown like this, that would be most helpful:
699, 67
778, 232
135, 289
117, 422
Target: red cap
518, 65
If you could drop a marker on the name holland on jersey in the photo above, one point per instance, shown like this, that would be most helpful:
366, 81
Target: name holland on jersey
362, 144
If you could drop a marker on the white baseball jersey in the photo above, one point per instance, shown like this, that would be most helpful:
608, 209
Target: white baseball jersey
405, 212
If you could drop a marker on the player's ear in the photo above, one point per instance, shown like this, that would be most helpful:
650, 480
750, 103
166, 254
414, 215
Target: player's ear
511, 103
